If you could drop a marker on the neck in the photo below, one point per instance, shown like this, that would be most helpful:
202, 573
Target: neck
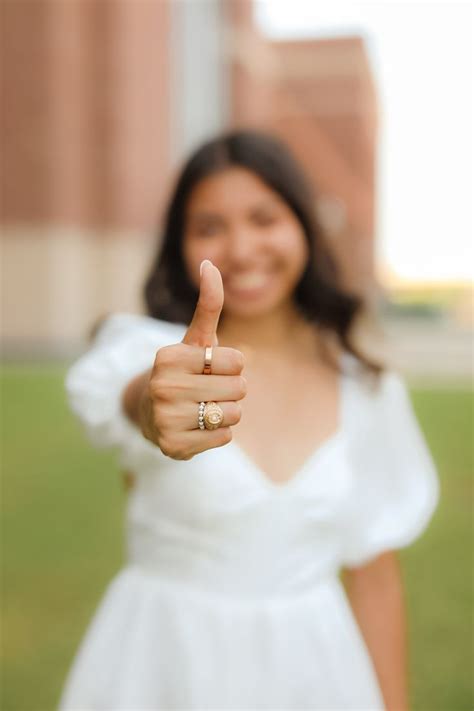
280, 329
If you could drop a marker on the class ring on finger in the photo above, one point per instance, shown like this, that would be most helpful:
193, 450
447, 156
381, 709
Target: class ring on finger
210, 416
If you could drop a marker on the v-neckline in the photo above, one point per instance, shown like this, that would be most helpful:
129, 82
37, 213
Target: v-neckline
320, 449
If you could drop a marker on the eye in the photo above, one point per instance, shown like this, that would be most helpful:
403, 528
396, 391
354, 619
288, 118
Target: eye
209, 229
264, 219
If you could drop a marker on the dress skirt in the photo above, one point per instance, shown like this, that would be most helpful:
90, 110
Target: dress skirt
156, 644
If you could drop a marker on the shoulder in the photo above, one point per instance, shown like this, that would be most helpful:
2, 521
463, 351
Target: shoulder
121, 325
372, 386
382, 425
372, 396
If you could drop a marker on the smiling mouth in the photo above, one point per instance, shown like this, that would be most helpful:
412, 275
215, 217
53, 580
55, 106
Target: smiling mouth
247, 281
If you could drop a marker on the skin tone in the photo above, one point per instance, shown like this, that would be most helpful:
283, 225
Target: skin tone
243, 241
376, 594
254, 239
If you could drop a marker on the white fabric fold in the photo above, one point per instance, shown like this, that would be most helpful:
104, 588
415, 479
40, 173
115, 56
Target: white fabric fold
396, 488
229, 598
124, 347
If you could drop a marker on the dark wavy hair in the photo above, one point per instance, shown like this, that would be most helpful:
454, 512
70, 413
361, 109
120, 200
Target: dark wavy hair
170, 295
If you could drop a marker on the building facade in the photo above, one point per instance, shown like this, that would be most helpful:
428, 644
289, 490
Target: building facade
103, 101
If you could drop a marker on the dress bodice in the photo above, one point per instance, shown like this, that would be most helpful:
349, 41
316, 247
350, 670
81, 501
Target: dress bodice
217, 521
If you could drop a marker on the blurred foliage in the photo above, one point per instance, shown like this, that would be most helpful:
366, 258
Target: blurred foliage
62, 536
430, 302
437, 567
413, 310
445, 296
63, 506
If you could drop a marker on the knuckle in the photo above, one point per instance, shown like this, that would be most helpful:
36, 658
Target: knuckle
163, 356
241, 387
225, 436
160, 420
168, 355
166, 447
159, 388
171, 448
235, 413
237, 360
166, 387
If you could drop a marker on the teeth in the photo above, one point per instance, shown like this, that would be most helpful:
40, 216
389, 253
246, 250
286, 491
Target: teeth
247, 281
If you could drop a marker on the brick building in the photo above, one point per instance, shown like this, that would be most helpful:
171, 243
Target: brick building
103, 100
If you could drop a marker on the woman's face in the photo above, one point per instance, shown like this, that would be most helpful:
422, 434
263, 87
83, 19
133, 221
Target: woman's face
249, 232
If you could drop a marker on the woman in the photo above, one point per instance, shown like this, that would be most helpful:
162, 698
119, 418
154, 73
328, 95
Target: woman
243, 513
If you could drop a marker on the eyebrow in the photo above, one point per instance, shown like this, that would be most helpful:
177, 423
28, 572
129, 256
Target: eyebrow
203, 216
207, 215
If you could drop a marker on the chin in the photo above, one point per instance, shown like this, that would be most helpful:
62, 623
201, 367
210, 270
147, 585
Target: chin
250, 308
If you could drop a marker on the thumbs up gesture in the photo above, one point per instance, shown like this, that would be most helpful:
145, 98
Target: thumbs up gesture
203, 327
169, 410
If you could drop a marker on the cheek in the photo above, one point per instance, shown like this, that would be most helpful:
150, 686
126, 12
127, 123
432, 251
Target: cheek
293, 250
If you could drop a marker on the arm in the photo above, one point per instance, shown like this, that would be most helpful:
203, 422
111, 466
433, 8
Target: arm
134, 394
375, 592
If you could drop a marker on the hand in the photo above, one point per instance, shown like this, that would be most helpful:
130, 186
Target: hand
169, 405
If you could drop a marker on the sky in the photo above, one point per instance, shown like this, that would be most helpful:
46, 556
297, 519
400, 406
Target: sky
421, 57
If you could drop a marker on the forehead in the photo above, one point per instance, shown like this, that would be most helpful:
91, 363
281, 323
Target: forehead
230, 190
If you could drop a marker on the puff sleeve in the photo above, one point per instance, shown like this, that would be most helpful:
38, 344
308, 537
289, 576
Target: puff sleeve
396, 487
124, 346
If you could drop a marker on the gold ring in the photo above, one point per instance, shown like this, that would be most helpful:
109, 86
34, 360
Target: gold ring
213, 416
207, 360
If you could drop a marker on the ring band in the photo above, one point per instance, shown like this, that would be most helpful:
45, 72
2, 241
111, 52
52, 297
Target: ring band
201, 424
213, 416
207, 360
210, 414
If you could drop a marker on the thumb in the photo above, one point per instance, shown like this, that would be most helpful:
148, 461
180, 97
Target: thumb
203, 327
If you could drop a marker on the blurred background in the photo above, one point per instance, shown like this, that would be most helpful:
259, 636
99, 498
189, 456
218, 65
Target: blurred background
102, 101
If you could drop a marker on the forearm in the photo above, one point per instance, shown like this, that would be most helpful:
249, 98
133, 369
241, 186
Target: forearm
133, 395
377, 598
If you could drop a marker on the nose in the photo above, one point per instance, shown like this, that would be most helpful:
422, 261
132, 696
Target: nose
242, 246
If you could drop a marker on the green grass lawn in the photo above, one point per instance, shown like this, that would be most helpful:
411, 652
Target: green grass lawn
62, 542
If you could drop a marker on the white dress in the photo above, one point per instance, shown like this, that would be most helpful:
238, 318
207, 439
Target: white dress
230, 596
